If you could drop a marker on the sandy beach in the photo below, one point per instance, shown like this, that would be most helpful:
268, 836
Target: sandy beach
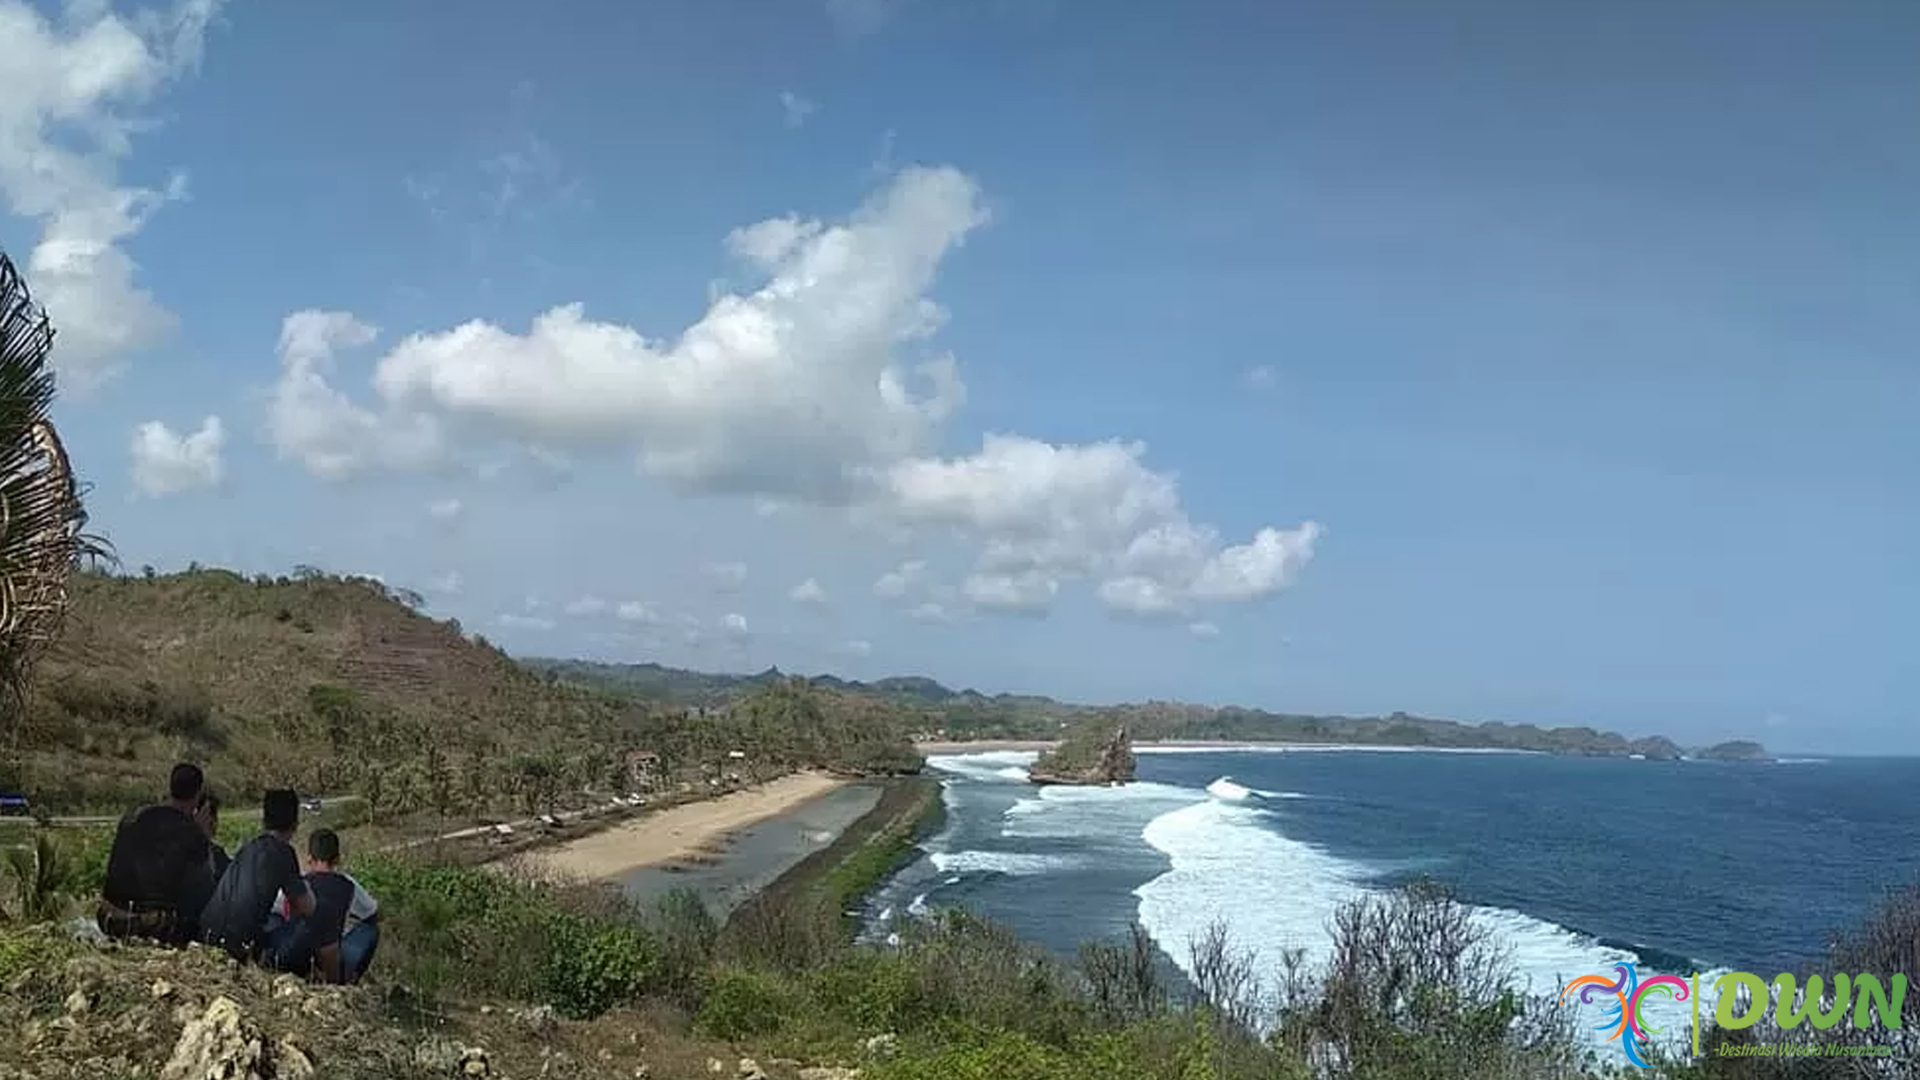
677, 832
983, 746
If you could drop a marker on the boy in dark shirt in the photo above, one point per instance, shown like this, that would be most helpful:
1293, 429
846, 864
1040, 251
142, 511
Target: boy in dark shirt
236, 917
311, 945
159, 871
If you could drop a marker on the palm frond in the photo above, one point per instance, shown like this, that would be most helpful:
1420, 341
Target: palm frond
42, 516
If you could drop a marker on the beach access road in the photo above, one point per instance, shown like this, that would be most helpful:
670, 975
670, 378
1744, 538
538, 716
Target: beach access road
675, 833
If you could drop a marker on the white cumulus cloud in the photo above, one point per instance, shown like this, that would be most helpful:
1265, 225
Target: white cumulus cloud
586, 606
316, 425
792, 389
167, 463
808, 592
635, 611
525, 622
1026, 592
1204, 630
894, 584
444, 509
1047, 513
931, 611
74, 89
734, 624
799, 391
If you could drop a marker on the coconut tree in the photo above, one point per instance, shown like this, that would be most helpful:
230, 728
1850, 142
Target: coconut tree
41, 513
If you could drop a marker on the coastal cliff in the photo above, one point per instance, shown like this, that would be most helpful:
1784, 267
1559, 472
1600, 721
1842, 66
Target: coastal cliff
1087, 760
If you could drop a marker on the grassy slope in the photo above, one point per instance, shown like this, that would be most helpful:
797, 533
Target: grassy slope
335, 685
209, 666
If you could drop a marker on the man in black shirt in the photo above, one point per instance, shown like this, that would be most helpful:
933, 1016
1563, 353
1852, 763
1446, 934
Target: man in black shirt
311, 945
236, 917
160, 870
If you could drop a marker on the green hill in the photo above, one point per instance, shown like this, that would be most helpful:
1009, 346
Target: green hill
336, 684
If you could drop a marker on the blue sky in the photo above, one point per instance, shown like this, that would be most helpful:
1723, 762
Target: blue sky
1486, 360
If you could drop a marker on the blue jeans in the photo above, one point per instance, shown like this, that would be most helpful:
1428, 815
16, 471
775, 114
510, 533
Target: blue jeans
357, 947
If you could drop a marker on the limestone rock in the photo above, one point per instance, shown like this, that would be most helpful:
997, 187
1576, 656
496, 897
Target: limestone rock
1078, 761
218, 1045
750, 1070
539, 1021
883, 1046
829, 1072
291, 1063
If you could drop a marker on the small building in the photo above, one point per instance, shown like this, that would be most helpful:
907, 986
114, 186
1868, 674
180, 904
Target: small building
643, 770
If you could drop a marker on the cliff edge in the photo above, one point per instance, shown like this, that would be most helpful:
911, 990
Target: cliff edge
1087, 761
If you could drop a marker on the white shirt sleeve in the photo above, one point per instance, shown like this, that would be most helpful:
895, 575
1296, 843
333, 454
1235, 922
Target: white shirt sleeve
363, 906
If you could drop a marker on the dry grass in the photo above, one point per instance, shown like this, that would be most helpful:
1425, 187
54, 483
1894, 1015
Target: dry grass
338, 685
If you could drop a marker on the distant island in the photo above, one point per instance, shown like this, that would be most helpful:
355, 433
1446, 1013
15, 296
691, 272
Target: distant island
945, 714
1735, 750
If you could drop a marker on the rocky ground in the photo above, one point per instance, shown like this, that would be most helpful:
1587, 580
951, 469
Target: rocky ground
108, 1012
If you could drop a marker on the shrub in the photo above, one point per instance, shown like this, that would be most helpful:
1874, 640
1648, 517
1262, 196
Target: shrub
589, 966
744, 1004
1416, 987
687, 933
1122, 981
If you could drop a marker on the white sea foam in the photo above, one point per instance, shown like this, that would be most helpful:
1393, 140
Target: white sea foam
993, 766
1315, 748
1225, 789
1074, 813
1274, 894
918, 909
996, 862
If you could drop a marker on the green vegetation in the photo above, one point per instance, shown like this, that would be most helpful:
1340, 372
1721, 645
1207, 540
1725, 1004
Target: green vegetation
339, 685
1416, 989
1091, 753
936, 712
1735, 750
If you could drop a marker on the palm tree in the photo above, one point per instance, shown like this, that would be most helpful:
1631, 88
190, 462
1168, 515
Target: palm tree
41, 512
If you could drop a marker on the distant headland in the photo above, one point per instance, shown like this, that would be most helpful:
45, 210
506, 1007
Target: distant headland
946, 715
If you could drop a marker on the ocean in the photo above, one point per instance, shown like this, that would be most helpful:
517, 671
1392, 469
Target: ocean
1575, 863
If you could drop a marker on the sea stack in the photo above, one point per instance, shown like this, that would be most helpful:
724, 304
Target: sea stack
1087, 759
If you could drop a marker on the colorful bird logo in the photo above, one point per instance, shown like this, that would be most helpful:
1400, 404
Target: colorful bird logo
1623, 1013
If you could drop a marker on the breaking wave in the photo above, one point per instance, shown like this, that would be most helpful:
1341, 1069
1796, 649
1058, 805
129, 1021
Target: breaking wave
1229, 866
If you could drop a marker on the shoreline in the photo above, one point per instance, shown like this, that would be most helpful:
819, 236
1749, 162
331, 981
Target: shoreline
983, 746
1171, 746
676, 834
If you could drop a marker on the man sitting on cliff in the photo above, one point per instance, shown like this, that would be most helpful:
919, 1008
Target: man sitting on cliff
338, 940
160, 869
236, 918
